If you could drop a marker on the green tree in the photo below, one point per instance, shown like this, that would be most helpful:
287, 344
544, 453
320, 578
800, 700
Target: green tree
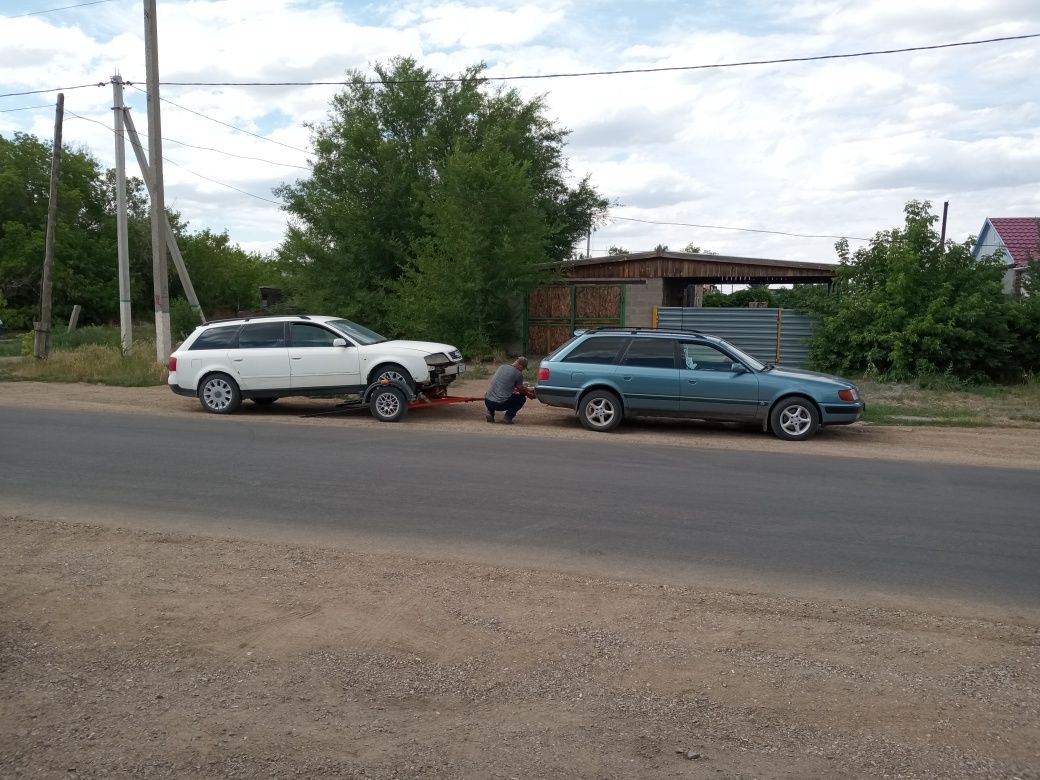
485, 239
1024, 323
903, 307
755, 293
85, 267
226, 278
801, 297
375, 203
82, 246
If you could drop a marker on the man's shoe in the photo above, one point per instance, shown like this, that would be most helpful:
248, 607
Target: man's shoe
489, 417
508, 421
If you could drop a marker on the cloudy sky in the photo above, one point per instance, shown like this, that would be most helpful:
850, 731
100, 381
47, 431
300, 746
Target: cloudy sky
822, 148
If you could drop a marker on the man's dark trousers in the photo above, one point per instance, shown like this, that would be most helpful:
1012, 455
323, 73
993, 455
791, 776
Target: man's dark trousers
510, 407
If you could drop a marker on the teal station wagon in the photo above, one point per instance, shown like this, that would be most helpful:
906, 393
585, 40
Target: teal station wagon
606, 374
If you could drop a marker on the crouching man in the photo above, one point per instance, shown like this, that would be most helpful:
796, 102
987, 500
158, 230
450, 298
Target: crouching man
507, 391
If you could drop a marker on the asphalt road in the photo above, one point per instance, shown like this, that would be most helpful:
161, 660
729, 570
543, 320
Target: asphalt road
867, 525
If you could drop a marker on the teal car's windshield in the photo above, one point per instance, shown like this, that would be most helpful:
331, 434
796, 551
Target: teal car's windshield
359, 333
741, 354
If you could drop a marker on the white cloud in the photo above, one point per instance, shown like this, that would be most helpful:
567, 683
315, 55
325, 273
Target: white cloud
828, 147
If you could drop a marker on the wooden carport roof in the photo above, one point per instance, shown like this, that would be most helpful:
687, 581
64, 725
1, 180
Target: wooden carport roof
695, 269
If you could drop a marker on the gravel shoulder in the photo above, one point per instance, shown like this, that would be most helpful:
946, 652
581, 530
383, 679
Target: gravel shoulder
160, 654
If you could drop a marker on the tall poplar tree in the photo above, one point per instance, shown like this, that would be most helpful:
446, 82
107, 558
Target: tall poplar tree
420, 187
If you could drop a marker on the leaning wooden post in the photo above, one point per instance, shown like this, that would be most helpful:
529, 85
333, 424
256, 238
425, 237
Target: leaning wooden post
41, 338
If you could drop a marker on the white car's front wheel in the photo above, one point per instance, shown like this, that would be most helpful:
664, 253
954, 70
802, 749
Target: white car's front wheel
388, 404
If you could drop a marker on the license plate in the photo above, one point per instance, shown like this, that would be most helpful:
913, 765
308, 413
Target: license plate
458, 368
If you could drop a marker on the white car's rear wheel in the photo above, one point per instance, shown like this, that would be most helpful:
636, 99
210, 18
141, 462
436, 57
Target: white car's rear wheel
219, 394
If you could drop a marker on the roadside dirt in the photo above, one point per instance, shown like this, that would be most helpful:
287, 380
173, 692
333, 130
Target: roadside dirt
178, 655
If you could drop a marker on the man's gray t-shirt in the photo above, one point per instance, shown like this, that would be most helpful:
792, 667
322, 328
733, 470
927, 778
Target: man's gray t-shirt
502, 383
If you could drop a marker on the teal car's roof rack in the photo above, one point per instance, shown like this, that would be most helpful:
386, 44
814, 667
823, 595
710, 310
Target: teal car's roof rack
632, 329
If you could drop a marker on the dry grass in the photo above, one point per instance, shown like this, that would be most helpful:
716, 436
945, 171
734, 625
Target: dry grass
984, 405
95, 364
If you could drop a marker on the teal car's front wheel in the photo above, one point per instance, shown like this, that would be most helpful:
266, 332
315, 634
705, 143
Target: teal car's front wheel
794, 419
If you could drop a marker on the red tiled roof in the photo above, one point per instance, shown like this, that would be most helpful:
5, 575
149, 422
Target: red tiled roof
1021, 236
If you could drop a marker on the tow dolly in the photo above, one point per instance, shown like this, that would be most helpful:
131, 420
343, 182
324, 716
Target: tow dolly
389, 400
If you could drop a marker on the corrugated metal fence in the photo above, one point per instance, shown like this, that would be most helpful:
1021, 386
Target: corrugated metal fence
771, 335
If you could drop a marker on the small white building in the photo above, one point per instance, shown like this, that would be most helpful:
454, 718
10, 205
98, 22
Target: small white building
1018, 238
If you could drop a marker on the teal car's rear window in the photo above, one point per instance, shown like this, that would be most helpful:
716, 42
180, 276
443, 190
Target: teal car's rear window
598, 349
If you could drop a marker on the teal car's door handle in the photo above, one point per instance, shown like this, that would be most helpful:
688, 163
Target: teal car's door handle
692, 381
627, 378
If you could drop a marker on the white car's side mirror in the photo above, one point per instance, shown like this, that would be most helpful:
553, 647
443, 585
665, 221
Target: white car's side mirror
339, 342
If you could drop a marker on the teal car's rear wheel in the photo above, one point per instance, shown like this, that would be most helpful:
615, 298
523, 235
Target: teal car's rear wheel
600, 410
794, 419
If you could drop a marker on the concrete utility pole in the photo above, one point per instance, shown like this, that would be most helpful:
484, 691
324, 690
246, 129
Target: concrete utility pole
41, 337
171, 239
126, 333
160, 282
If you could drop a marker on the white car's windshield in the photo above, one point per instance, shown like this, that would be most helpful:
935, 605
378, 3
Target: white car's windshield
755, 364
359, 333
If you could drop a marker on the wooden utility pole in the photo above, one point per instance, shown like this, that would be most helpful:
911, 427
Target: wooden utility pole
942, 235
41, 337
126, 333
160, 282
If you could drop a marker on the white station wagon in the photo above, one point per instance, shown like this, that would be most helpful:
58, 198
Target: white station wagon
266, 358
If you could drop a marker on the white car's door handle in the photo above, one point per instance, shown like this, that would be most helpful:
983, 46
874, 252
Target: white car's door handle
237, 360
298, 358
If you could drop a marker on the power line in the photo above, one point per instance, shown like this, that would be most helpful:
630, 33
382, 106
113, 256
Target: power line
63, 8
192, 146
55, 89
239, 156
781, 61
189, 170
743, 230
25, 108
744, 63
224, 184
219, 122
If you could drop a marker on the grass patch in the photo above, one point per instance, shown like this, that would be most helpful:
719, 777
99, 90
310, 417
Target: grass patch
93, 363
478, 370
897, 403
889, 414
10, 343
